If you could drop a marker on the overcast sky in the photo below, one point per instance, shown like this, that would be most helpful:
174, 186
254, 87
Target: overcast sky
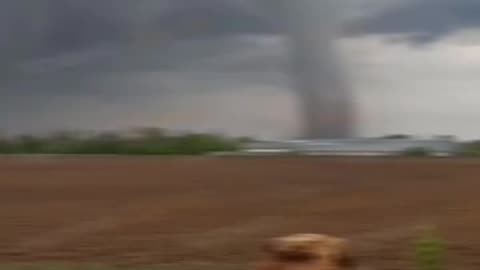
222, 66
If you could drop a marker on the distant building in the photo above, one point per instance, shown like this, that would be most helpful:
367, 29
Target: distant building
355, 147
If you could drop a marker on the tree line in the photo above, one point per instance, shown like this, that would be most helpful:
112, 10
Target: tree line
144, 142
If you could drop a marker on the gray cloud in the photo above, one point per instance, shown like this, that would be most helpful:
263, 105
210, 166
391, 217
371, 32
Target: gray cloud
58, 25
421, 20
50, 27
86, 36
112, 63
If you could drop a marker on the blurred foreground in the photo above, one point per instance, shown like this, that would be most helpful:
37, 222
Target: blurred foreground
216, 211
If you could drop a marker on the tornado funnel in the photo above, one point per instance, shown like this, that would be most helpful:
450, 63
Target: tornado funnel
318, 79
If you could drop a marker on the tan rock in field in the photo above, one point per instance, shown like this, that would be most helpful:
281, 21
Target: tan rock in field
307, 252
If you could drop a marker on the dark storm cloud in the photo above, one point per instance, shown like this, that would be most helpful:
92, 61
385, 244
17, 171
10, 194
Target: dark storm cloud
62, 45
421, 20
59, 39
46, 28
116, 52
41, 28
61, 25
84, 36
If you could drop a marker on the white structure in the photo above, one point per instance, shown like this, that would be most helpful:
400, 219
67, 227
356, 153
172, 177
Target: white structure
355, 147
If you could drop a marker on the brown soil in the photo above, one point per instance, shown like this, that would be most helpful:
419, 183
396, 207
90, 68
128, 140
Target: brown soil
140, 211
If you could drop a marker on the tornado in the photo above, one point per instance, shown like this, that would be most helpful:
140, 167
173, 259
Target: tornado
319, 81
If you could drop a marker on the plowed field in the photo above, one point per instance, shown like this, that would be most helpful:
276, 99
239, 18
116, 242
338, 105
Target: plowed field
218, 210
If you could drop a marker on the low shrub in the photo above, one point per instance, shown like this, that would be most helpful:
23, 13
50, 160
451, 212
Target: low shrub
417, 152
429, 252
